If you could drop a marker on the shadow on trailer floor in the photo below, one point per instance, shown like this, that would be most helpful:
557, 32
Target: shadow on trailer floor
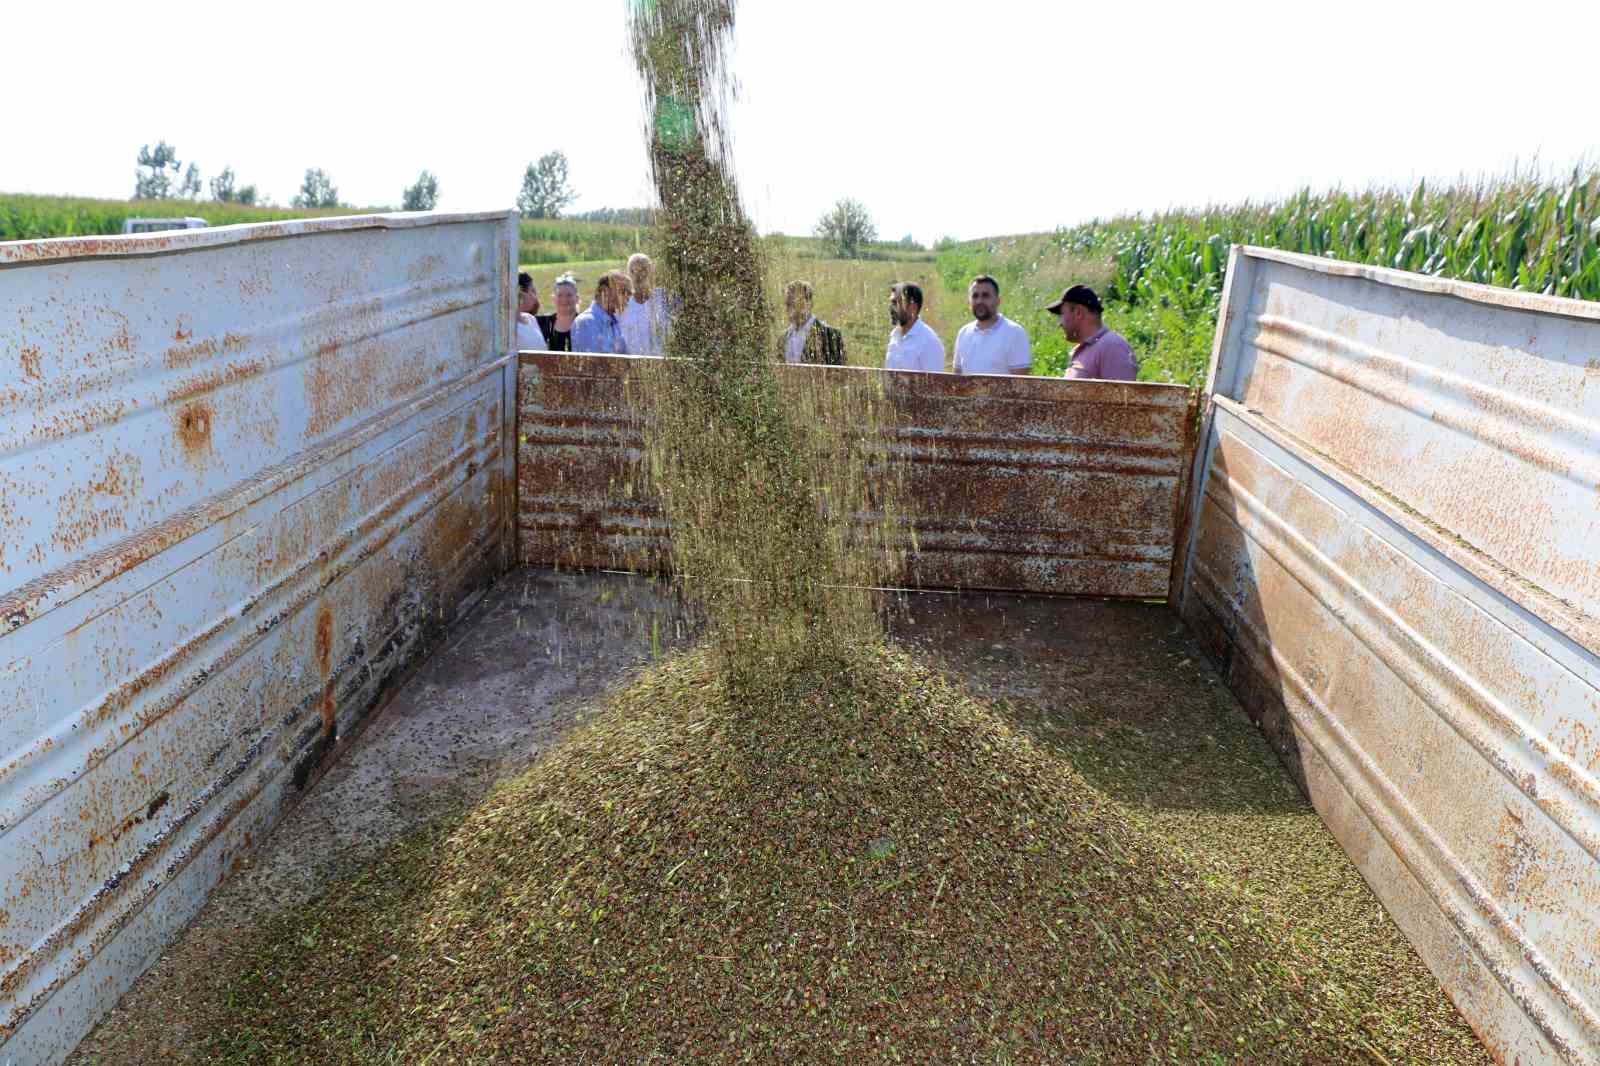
1117, 689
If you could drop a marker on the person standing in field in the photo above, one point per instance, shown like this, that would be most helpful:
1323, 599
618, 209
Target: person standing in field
646, 318
530, 338
599, 330
1100, 353
912, 345
991, 343
808, 339
558, 327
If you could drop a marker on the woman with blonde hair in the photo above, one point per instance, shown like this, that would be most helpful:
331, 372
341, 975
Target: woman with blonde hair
558, 327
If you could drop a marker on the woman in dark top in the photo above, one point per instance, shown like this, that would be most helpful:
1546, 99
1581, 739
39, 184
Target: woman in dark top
558, 327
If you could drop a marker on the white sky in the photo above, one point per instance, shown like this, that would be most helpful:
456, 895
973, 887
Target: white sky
968, 119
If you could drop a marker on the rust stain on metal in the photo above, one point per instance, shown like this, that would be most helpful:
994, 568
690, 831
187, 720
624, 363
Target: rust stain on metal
424, 268
325, 664
146, 676
1028, 485
99, 509
194, 425
1393, 563
186, 352
210, 381
356, 373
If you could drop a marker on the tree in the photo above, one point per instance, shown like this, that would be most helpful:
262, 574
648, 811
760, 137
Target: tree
190, 190
223, 191
846, 229
317, 190
152, 180
423, 195
545, 191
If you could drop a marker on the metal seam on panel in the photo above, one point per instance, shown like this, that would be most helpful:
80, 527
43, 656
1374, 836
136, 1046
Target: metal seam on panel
1490, 420
48, 592
160, 394
1421, 668
1409, 837
299, 585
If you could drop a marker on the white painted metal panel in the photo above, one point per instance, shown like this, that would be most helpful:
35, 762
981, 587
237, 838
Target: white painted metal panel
1396, 560
245, 475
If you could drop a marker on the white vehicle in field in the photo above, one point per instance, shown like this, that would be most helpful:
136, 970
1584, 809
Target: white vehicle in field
153, 225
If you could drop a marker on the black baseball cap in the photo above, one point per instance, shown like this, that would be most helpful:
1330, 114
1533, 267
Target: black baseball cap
1081, 295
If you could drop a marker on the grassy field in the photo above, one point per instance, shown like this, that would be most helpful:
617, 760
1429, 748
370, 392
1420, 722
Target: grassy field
1161, 275
25, 217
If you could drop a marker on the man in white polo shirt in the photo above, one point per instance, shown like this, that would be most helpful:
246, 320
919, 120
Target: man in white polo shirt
912, 345
991, 343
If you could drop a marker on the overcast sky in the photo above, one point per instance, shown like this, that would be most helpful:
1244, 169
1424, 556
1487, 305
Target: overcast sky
968, 119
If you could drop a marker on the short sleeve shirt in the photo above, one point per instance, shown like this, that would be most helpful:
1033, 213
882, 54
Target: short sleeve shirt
1000, 349
918, 348
644, 325
599, 332
530, 338
1104, 357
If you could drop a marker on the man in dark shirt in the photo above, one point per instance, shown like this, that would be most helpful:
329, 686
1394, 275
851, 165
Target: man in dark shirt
808, 339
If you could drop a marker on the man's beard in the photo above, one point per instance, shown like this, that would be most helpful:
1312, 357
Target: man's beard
984, 315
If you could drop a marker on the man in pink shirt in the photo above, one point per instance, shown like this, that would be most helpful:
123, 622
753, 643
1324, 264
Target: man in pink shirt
1100, 353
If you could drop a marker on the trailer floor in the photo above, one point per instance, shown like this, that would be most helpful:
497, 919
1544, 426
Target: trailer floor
1117, 689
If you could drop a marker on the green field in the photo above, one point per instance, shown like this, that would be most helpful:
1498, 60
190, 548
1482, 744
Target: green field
1161, 275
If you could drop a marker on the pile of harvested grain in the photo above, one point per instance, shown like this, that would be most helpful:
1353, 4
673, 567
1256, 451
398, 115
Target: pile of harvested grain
883, 870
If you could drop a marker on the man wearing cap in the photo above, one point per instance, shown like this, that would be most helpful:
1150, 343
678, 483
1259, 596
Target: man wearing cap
912, 345
1100, 353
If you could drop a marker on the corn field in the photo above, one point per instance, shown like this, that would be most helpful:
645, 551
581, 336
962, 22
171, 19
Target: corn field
1539, 236
1161, 276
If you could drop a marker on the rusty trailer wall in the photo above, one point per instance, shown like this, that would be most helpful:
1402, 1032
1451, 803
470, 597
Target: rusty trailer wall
1019, 484
245, 475
1396, 562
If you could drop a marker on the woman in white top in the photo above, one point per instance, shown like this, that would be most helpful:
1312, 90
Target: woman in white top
530, 338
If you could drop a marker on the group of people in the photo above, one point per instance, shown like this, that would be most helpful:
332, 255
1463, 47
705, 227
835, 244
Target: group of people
630, 316
990, 344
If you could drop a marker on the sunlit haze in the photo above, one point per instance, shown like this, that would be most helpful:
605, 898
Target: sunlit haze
943, 118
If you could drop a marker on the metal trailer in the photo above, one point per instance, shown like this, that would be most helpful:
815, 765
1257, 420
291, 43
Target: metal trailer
248, 474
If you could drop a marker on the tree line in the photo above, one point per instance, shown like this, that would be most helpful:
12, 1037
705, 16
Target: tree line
846, 230
161, 175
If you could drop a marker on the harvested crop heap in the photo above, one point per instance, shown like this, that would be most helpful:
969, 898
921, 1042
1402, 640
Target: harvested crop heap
882, 873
